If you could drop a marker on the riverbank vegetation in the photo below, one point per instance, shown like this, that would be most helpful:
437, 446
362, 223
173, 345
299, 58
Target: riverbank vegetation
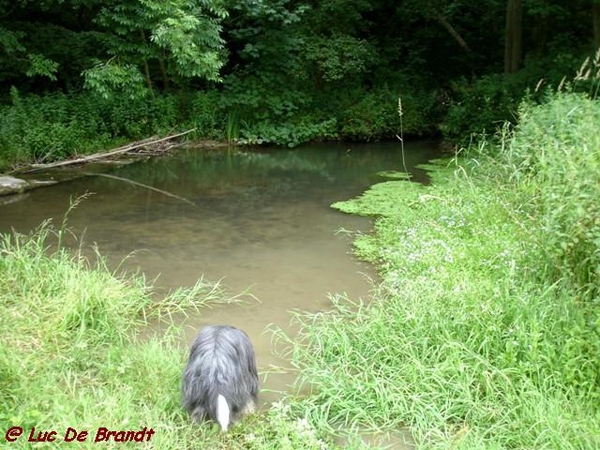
79, 76
485, 333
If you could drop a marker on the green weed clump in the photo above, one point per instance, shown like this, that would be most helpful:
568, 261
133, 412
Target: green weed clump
555, 152
71, 356
468, 341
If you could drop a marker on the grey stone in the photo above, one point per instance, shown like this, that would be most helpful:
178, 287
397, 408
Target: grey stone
11, 185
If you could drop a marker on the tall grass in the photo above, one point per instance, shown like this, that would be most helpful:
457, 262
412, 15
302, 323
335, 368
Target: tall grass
556, 154
71, 355
232, 127
485, 331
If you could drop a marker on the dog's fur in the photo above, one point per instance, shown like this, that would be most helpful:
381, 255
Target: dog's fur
220, 380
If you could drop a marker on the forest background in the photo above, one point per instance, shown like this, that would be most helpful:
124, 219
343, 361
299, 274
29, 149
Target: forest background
81, 75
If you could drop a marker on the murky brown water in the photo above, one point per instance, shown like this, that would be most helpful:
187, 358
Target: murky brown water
262, 221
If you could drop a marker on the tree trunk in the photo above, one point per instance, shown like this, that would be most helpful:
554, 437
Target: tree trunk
513, 44
596, 22
163, 72
146, 66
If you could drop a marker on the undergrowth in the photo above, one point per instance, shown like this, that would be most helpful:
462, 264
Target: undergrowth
57, 126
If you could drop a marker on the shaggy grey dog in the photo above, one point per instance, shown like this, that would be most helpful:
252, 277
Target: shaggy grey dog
220, 380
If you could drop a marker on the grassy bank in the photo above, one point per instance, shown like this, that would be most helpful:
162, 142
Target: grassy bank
485, 333
70, 356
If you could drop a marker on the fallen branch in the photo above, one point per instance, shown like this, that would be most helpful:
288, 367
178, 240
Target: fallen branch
96, 156
135, 183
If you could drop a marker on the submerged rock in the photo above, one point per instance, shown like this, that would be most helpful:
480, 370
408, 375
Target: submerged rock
13, 198
40, 183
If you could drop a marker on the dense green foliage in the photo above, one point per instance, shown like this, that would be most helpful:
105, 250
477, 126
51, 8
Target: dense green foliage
272, 71
58, 125
485, 333
556, 152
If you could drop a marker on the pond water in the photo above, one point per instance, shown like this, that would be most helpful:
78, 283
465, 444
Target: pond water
262, 221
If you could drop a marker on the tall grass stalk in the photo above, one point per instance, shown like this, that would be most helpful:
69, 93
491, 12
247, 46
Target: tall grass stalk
232, 127
401, 136
589, 72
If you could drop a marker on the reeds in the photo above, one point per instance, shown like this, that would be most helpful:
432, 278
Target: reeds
589, 72
232, 127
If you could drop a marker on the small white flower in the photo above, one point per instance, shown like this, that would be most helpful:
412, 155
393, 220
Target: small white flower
303, 426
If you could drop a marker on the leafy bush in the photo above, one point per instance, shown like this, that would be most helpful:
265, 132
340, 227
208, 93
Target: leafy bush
48, 128
58, 126
207, 114
482, 106
375, 115
288, 133
136, 119
556, 149
48, 142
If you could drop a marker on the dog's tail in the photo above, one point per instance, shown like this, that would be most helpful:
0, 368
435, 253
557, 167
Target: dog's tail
223, 412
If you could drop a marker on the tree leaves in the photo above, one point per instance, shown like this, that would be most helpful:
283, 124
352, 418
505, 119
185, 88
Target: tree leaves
39, 65
183, 36
137, 42
111, 78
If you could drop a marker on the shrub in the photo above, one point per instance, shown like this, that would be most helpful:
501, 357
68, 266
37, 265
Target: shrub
556, 148
375, 115
288, 134
57, 126
482, 106
207, 114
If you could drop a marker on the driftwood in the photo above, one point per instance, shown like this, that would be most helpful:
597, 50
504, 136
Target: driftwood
99, 156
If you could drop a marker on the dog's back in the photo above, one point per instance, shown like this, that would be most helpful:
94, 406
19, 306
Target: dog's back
220, 380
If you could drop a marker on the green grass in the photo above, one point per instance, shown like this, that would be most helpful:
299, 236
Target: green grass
556, 156
71, 356
485, 331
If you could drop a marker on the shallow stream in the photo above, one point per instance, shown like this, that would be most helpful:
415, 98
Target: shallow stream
262, 221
